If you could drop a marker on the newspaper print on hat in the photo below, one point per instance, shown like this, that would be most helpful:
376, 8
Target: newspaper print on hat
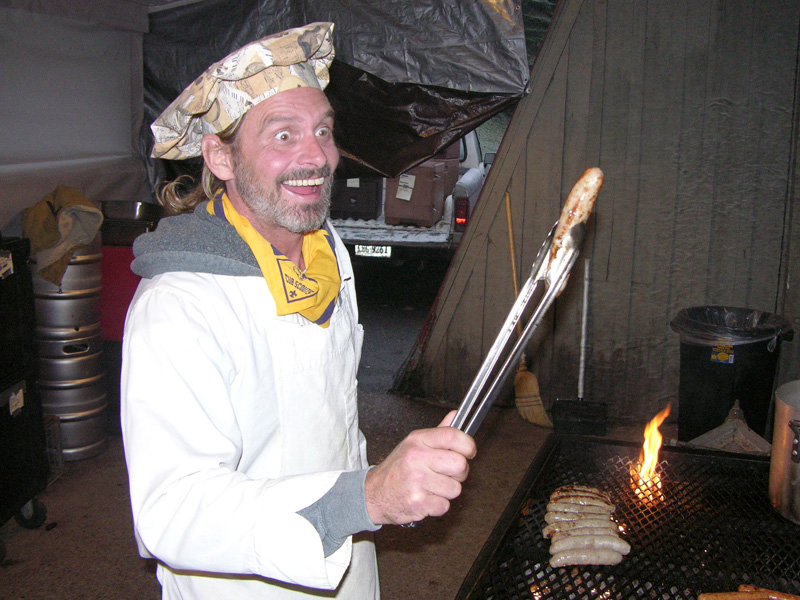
298, 57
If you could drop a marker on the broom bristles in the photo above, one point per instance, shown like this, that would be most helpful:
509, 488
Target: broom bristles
528, 399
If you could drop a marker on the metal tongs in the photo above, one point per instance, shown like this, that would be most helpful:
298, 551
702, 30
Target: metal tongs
550, 269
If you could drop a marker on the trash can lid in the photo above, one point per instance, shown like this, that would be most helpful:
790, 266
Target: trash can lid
724, 324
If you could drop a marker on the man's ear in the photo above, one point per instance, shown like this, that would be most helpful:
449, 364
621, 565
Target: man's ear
217, 156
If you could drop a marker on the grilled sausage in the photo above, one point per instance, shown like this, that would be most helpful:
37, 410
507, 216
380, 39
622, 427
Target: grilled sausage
550, 529
580, 490
578, 207
584, 531
554, 516
590, 542
771, 594
585, 557
570, 507
582, 500
734, 596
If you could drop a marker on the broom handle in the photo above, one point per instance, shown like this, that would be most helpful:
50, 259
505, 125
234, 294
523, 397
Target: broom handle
512, 253
584, 318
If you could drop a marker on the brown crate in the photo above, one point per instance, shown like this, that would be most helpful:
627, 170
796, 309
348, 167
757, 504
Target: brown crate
418, 201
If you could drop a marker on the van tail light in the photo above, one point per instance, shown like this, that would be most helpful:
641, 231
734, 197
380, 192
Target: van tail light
461, 213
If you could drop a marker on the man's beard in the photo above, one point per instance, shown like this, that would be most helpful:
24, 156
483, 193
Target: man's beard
268, 205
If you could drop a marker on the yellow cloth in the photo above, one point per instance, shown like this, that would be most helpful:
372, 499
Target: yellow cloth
62, 222
311, 293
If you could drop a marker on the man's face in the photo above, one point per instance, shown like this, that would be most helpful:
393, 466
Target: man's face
284, 158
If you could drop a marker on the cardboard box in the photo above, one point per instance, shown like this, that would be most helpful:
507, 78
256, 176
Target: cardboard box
417, 197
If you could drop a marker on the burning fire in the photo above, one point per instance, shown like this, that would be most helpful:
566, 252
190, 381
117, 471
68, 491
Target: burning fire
644, 479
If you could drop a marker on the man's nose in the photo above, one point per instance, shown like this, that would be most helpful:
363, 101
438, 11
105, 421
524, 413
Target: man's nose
314, 151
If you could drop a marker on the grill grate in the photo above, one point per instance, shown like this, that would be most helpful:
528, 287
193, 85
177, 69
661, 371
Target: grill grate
711, 530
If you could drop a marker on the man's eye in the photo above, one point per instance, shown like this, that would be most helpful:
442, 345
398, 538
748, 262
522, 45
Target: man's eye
324, 132
282, 136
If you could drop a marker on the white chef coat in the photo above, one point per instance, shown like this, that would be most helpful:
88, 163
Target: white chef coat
233, 420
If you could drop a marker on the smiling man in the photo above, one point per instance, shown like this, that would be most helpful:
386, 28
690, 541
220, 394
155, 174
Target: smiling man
247, 468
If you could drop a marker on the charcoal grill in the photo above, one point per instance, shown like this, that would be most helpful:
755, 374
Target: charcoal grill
712, 530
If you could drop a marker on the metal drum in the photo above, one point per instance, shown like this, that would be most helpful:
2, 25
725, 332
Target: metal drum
75, 304
72, 372
71, 368
80, 405
68, 343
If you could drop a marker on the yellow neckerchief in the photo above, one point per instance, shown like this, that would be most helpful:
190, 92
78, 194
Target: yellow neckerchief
311, 293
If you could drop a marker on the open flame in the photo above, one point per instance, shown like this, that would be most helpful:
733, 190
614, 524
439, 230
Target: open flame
644, 479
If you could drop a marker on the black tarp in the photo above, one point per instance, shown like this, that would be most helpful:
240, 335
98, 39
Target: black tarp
421, 73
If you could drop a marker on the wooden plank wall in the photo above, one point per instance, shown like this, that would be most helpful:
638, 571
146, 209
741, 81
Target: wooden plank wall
689, 109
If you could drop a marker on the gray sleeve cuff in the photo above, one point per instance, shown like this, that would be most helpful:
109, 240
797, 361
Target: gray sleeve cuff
341, 512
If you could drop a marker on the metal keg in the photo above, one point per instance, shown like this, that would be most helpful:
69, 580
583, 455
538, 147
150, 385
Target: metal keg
72, 372
80, 405
56, 342
75, 304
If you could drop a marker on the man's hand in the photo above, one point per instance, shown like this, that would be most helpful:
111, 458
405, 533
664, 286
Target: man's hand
420, 476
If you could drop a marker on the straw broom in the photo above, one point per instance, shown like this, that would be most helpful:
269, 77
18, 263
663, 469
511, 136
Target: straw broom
527, 398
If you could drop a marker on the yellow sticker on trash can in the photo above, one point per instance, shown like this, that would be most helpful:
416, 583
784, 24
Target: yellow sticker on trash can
722, 354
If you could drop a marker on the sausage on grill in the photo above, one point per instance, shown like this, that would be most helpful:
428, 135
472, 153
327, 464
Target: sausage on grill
570, 507
611, 529
550, 529
589, 542
581, 528
585, 557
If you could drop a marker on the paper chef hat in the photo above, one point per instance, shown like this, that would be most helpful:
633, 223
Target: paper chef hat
297, 57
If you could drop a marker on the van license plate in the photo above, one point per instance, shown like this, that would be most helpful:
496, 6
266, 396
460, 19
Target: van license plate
379, 251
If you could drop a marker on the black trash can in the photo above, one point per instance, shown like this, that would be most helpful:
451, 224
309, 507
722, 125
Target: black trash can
727, 354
